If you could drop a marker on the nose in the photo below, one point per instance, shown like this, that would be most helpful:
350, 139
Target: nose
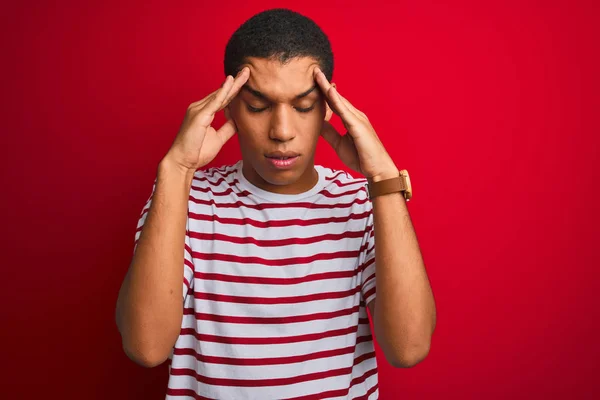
281, 129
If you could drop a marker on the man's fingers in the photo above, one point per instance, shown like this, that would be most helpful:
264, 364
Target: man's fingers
199, 103
349, 105
325, 83
212, 106
220, 97
240, 80
227, 131
334, 100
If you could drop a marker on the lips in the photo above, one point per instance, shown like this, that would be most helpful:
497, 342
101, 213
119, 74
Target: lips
282, 155
282, 160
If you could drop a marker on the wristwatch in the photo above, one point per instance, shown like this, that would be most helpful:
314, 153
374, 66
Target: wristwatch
401, 183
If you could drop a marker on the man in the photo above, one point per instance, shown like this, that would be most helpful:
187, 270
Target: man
277, 255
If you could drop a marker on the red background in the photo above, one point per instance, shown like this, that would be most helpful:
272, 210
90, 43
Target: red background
491, 106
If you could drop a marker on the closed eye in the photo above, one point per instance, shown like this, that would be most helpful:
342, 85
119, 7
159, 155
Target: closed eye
305, 110
256, 110
261, 109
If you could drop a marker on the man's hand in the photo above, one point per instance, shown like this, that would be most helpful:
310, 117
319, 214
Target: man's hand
197, 142
360, 148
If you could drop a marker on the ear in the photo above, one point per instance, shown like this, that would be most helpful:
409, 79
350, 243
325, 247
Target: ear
227, 112
328, 112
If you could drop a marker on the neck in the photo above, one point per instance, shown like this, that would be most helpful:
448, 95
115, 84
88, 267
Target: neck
303, 183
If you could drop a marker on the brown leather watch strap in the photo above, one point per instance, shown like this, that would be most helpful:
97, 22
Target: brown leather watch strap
386, 186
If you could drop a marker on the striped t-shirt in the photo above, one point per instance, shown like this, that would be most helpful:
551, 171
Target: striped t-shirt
275, 291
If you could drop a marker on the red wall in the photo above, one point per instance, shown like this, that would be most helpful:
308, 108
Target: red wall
492, 107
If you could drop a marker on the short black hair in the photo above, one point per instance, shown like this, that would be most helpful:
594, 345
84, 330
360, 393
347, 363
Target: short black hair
278, 33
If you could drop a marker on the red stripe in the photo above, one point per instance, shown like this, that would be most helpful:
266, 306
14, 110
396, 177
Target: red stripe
267, 382
354, 182
319, 255
270, 320
188, 264
260, 382
371, 234
266, 206
204, 177
279, 261
366, 395
275, 300
275, 262
186, 392
339, 392
225, 169
337, 175
334, 195
217, 182
369, 278
269, 340
275, 243
364, 339
227, 192
370, 292
277, 223
364, 357
186, 247
264, 361
364, 266
258, 280
320, 396
144, 211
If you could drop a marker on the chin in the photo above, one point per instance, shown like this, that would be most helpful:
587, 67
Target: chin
278, 177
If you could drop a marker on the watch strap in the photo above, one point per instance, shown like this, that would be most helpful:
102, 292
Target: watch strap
386, 186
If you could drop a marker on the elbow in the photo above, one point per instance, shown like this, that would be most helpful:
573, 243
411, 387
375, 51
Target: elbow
145, 356
147, 347
409, 357
146, 351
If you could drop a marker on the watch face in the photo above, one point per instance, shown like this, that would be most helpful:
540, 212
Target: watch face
408, 192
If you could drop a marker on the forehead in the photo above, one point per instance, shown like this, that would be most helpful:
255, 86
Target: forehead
281, 81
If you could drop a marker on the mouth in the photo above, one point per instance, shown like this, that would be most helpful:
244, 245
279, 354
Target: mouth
282, 154
282, 160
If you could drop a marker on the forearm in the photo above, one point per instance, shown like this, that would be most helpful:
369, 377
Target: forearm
149, 307
405, 308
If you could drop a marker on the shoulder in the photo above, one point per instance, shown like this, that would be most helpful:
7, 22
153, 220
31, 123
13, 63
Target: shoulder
215, 181
335, 178
215, 176
343, 190
215, 172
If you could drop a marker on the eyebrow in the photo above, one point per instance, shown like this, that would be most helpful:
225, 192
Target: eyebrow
258, 94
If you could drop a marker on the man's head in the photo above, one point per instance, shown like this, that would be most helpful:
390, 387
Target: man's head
280, 109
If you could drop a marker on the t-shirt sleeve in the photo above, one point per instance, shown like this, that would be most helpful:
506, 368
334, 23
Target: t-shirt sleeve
368, 280
188, 267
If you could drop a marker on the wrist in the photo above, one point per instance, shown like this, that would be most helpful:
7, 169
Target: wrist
388, 173
173, 170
